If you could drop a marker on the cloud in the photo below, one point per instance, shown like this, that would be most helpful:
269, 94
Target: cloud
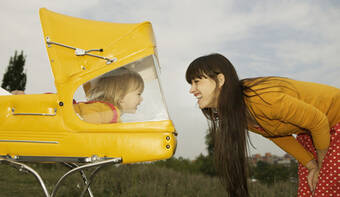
22, 31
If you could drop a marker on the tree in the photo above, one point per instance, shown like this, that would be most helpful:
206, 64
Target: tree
205, 164
272, 173
15, 77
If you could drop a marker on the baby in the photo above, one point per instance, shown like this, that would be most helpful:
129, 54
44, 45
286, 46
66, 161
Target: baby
110, 96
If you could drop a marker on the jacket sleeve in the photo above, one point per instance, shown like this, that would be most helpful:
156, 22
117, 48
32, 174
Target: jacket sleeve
303, 115
96, 112
294, 148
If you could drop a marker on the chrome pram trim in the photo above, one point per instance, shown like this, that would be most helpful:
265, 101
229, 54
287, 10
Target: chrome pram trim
31, 141
91, 159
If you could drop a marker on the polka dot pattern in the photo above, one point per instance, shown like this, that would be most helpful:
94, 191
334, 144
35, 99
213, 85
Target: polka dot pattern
329, 177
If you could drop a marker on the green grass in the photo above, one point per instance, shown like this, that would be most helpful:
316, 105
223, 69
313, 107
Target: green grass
139, 180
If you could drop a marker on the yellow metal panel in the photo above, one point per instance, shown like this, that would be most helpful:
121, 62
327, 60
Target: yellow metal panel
32, 129
46, 124
126, 42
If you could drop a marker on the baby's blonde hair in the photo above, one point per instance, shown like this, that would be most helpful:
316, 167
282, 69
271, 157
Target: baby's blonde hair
113, 86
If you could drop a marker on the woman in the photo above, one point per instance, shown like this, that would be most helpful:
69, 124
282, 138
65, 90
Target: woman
275, 108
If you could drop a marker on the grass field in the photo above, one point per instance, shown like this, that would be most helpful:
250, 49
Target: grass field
139, 180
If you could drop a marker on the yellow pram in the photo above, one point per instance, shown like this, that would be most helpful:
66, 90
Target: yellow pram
46, 128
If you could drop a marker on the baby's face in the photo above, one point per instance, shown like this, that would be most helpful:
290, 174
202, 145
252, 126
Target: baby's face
131, 100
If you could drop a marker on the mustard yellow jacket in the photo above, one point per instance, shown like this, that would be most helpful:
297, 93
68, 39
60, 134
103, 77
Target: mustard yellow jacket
97, 112
287, 107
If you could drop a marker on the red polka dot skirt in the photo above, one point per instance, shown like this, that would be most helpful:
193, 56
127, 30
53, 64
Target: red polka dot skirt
329, 176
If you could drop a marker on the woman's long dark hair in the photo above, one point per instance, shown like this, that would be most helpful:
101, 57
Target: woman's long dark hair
229, 124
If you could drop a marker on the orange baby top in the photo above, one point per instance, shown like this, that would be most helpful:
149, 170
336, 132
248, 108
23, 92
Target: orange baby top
97, 112
287, 107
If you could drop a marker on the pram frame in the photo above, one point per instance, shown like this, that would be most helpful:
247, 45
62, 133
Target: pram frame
93, 161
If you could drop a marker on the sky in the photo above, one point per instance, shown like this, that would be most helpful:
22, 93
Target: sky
296, 39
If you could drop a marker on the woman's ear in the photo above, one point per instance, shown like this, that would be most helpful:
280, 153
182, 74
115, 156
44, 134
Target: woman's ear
221, 80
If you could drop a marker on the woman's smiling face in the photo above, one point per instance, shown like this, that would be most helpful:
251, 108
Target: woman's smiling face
204, 89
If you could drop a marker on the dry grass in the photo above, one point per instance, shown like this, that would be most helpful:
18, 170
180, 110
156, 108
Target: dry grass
142, 180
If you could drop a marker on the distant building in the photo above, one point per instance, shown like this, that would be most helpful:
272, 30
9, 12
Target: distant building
272, 159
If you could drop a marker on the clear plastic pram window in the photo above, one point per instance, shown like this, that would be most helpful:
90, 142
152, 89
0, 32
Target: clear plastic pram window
131, 93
